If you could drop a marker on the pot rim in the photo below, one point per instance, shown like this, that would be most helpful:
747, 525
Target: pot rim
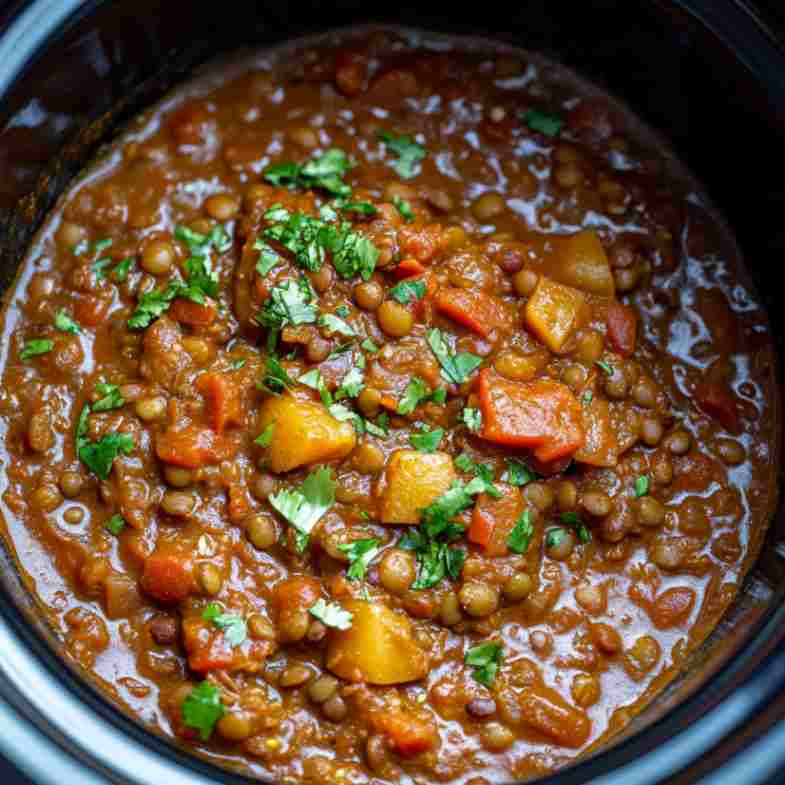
58, 730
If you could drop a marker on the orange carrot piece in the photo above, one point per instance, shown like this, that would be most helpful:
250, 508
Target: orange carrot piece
168, 575
542, 414
191, 313
223, 398
480, 312
191, 447
408, 268
494, 519
408, 734
622, 327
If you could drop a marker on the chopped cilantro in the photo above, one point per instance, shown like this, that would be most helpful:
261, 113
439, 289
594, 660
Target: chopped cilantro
152, 304
360, 208
404, 208
233, 626
202, 709
485, 659
518, 473
540, 121
99, 265
407, 292
238, 363
605, 367
408, 151
465, 464
325, 172
36, 347
334, 324
361, 553
101, 245
289, 303
417, 392
554, 538
268, 258
122, 269
642, 486
99, 456
471, 418
351, 385
110, 397
275, 379
115, 524
331, 614
369, 346
456, 368
303, 507
266, 436
65, 323
521, 535
427, 441
587, 397
573, 519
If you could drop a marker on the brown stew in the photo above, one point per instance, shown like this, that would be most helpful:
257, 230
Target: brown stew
385, 408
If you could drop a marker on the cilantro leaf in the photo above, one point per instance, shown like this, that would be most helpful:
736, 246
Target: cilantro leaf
331, 614
275, 378
99, 456
642, 484
604, 366
99, 265
122, 269
417, 392
334, 324
351, 385
202, 709
289, 303
36, 347
369, 346
361, 553
233, 626
407, 292
587, 397
545, 123
110, 397
427, 441
354, 254
554, 537
518, 473
304, 507
115, 524
456, 368
325, 172
471, 418
408, 151
315, 381
521, 535
266, 436
483, 472
152, 304
306, 237
573, 519
404, 208
268, 258
360, 208
65, 323
485, 659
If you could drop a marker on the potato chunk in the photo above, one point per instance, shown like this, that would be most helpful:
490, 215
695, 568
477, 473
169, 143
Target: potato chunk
579, 260
304, 433
554, 312
412, 481
378, 648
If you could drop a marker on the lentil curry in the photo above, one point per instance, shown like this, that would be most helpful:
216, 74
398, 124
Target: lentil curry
386, 408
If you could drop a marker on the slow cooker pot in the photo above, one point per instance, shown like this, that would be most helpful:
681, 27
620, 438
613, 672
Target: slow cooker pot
709, 75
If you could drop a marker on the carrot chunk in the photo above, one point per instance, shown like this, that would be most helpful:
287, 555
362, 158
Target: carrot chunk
191, 313
622, 328
168, 575
542, 414
408, 734
223, 398
480, 312
408, 268
191, 447
718, 402
494, 519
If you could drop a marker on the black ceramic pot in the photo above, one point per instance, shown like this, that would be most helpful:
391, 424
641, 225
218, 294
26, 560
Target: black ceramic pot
709, 74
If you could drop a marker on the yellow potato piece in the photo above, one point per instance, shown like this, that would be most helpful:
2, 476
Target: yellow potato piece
412, 481
378, 648
304, 433
579, 260
553, 312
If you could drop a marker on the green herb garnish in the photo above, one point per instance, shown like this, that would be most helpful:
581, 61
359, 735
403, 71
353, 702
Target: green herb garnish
36, 347
202, 709
409, 153
471, 418
115, 524
521, 535
456, 368
361, 553
331, 614
574, 520
427, 440
518, 473
540, 121
407, 292
485, 659
65, 323
404, 208
642, 484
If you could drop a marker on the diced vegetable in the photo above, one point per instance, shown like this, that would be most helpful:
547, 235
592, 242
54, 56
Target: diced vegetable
480, 312
408, 735
168, 574
193, 314
408, 268
413, 480
601, 447
720, 403
494, 518
379, 647
543, 415
191, 447
579, 260
554, 312
622, 327
305, 433
223, 396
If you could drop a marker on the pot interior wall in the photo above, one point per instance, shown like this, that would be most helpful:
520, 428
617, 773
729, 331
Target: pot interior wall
112, 59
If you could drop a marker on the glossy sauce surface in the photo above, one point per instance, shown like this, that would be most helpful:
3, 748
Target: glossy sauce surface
620, 357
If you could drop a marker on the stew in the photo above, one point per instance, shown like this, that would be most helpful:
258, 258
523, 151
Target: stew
386, 407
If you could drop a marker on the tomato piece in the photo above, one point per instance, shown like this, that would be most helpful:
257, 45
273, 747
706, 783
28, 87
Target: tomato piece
409, 268
494, 519
191, 447
168, 574
542, 414
223, 398
622, 328
480, 312
193, 314
408, 734
718, 402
